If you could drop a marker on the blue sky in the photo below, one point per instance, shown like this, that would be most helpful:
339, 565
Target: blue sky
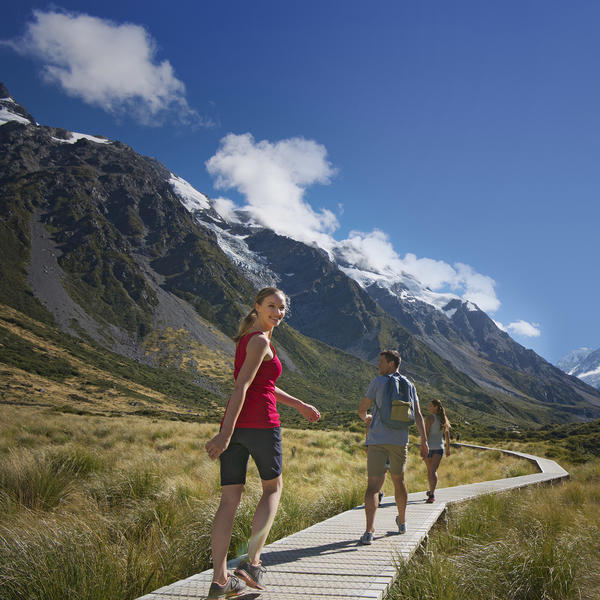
450, 133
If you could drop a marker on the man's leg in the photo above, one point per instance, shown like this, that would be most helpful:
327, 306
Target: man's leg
401, 495
374, 484
398, 456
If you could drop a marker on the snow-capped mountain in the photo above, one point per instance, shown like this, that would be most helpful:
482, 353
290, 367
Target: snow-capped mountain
345, 305
571, 360
583, 363
118, 244
11, 111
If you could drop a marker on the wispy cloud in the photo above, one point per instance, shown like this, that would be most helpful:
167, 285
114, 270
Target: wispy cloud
106, 64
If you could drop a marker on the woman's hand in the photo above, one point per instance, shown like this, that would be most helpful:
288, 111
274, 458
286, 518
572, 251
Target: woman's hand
310, 412
217, 445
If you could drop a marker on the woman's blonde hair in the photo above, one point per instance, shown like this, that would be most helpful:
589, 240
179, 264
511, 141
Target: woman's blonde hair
444, 422
248, 321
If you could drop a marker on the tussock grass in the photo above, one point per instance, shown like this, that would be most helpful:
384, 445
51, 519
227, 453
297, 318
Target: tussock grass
111, 508
539, 543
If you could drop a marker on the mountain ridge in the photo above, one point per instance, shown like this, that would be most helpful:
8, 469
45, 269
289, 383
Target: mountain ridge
140, 256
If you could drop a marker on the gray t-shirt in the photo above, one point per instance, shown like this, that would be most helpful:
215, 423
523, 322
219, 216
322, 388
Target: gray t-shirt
378, 432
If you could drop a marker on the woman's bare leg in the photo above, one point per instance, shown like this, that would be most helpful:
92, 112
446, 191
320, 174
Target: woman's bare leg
222, 528
264, 516
432, 466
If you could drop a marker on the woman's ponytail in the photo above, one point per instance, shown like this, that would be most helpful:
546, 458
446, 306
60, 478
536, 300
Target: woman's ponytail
246, 325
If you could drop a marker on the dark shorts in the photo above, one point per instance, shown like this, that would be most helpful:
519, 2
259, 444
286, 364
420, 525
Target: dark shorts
439, 451
263, 445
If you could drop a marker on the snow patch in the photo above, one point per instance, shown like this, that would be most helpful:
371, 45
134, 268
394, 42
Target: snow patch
190, 197
407, 288
75, 137
450, 313
253, 265
7, 115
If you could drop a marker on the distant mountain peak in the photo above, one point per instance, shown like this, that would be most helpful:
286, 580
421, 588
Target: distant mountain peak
583, 363
11, 110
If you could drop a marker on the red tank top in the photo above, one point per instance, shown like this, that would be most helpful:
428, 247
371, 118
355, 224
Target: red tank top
260, 406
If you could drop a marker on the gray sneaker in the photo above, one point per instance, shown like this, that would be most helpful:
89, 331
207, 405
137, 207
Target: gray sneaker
366, 539
232, 589
251, 574
401, 526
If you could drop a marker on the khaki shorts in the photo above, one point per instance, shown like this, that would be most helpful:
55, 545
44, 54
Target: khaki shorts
377, 455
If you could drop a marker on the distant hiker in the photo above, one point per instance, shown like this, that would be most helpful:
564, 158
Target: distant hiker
251, 427
387, 439
437, 428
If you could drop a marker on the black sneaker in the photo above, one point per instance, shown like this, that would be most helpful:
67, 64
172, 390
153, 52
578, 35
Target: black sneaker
232, 588
380, 497
251, 574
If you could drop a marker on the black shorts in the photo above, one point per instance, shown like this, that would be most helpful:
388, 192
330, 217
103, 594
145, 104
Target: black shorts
264, 445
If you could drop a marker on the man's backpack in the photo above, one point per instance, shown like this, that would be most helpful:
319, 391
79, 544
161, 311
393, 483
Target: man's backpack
396, 411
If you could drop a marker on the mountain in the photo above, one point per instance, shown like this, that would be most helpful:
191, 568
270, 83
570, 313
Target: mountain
573, 358
584, 364
112, 248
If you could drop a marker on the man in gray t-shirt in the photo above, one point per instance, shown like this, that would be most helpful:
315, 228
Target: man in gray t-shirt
385, 444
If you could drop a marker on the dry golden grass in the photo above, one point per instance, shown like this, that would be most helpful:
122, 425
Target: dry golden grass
133, 498
92, 390
177, 348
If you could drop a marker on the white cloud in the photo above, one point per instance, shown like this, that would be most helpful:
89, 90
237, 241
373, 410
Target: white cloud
523, 328
109, 65
226, 208
273, 178
374, 251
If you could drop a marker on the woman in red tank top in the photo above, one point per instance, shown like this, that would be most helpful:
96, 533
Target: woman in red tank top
251, 427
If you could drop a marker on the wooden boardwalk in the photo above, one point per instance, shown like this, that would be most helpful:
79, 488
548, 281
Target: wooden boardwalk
325, 561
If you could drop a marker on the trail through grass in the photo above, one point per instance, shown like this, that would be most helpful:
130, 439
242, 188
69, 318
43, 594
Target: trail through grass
111, 508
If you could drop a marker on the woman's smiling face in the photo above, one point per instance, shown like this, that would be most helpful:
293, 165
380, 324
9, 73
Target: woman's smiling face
271, 311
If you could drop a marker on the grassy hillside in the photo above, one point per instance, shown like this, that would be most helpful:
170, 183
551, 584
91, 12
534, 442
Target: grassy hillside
41, 365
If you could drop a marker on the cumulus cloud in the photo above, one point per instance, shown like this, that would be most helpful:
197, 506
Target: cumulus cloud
109, 65
273, 178
524, 328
